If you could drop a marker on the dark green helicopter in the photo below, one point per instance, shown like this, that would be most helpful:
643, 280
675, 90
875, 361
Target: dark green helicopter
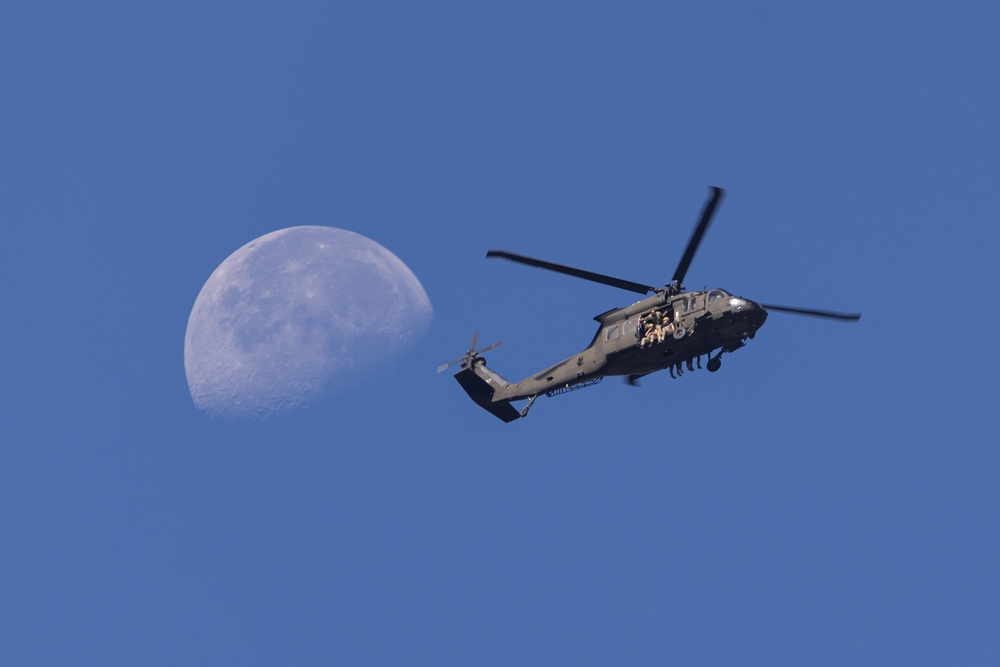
671, 329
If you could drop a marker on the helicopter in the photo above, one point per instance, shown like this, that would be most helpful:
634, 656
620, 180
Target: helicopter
671, 329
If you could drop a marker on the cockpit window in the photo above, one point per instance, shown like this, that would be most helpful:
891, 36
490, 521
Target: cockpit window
716, 294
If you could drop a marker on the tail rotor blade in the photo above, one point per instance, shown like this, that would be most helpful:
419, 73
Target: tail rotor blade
491, 347
471, 354
443, 367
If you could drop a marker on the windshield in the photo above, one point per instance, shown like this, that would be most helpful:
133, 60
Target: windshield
717, 294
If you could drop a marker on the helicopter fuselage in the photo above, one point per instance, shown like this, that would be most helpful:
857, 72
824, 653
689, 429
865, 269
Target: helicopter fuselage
695, 324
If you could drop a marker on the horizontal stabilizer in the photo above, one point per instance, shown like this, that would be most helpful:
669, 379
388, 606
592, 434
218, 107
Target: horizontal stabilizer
481, 391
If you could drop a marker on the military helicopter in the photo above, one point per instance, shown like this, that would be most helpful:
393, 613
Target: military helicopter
672, 329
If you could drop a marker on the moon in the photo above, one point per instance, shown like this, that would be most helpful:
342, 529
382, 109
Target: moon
297, 313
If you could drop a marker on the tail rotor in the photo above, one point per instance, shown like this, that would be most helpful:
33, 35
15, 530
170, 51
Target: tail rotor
471, 356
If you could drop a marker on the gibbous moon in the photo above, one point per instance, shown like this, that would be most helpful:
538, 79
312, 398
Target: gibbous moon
295, 313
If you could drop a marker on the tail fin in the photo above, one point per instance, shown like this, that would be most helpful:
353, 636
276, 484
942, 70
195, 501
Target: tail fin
480, 384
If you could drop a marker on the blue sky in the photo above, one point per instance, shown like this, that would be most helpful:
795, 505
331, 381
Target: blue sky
828, 497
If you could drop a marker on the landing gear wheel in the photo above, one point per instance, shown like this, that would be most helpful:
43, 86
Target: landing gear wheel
713, 364
679, 333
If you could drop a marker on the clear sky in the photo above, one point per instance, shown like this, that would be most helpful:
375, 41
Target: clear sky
829, 497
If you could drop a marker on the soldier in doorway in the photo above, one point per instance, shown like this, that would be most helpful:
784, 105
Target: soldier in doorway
648, 324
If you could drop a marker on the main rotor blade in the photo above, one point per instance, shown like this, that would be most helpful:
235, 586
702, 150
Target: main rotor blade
577, 273
699, 231
850, 317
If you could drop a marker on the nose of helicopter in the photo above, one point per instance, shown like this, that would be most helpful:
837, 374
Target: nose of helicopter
756, 313
752, 312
